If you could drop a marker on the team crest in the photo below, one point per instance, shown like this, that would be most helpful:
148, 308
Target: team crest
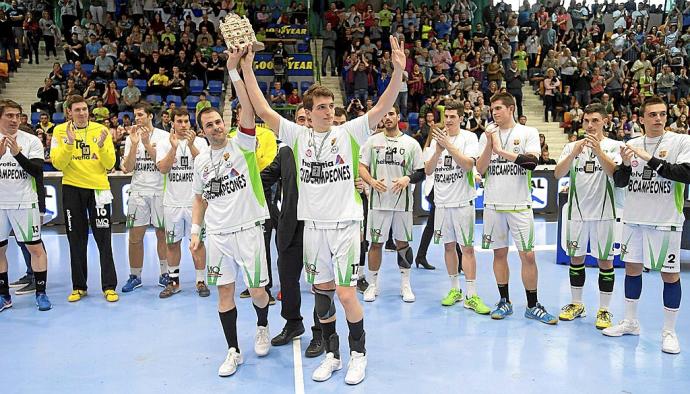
226, 156
516, 150
334, 149
663, 154
516, 142
64, 140
333, 142
308, 152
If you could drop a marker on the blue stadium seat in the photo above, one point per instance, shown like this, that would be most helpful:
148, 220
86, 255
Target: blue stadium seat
196, 86
413, 119
141, 84
263, 86
121, 83
88, 69
176, 99
215, 87
191, 102
35, 117
304, 86
192, 118
215, 101
154, 99
67, 67
303, 47
122, 114
58, 117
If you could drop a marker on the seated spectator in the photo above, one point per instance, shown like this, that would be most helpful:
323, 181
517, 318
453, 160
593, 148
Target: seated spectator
92, 93
277, 95
294, 98
158, 83
130, 95
47, 96
100, 112
544, 159
216, 68
164, 123
44, 122
74, 49
111, 97
203, 103
176, 84
103, 66
680, 126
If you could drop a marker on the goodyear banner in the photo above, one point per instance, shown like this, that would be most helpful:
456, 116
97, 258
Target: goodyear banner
299, 32
301, 64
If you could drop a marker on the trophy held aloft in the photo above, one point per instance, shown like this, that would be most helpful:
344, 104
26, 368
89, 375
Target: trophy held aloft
237, 31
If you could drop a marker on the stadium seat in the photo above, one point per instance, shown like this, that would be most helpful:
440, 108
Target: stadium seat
263, 86
121, 83
215, 101
154, 99
191, 102
304, 86
35, 117
88, 69
176, 99
215, 87
141, 84
192, 118
58, 117
196, 86
413, 119
303, 47
122, 114
67, 68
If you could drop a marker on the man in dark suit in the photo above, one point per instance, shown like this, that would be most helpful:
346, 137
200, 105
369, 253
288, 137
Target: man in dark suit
289, 243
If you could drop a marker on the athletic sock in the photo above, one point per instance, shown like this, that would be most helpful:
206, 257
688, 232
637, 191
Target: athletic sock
471, 288
454, 281
356, 338
174, 273
405, 275
136, 272
163, 266
633, 290
531, 298
373, 277
577, 282
4, 284
328, 329
672, 296
200, 275
607, 278
363, 248
503, 291
229, 322
40, 277
261, 315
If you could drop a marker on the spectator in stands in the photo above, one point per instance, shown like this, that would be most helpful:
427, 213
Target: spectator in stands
68, 11
582, 84
551, 86
48, 32
514, 82
92, 93
294, 98
47, 96
103, 66
158, 83
100, 112
199, 65
8, 42
44, 123
277, 95
416, 86
176, 84
164, 122
680, 126
111, 97
130, 95
203, 103
544, 159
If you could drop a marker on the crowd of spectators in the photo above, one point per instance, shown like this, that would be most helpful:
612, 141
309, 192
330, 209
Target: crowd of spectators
564, 51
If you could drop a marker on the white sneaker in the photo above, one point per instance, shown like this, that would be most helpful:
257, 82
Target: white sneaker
406, 292
371, 292
262, 341
356, 368
625, 327
230, 364
329, 365
669, 342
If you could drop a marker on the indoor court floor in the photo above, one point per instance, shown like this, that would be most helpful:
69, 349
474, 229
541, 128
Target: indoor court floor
143, 344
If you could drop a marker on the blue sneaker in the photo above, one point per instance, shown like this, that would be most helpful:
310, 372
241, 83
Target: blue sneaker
539, 313
5, 302
163, 280
132, 283
503, 308
42, 302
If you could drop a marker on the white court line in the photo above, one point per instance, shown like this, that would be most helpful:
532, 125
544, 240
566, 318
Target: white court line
297, 357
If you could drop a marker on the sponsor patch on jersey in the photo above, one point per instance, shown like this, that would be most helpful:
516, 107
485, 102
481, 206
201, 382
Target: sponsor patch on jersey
334, 149
516, 150
94, 157
308, 152
234, 173
663, 154
339, 160
516, 142
634, 163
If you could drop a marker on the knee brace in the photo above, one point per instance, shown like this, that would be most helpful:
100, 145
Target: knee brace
405, 257
323, 303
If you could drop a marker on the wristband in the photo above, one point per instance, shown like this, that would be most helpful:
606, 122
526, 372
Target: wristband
234, 75
196, 229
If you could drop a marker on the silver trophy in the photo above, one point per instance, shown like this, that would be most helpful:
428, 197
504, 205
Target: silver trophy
237, 31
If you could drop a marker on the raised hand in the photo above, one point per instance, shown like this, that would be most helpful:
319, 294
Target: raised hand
134, 137
579, 146
104, 135
145, 135
11, 142
3, 146
234, 55
397, 53
248, 59
70, 133
441, 138
627, 154
174, 142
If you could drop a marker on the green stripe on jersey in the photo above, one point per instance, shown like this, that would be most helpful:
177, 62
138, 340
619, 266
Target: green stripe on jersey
254, 176
354, 148
679, 192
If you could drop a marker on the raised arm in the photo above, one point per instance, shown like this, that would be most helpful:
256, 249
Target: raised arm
389, 96
246, 121
256, 97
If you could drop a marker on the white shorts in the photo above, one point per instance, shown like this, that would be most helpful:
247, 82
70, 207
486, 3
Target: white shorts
145, 210
331, 250
379, 223
454, 225
598, 234
243, 251
178, 223
25, 222
498, 224
659, 250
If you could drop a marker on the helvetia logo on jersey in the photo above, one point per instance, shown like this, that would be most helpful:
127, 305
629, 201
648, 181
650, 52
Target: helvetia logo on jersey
339, 160
234, 173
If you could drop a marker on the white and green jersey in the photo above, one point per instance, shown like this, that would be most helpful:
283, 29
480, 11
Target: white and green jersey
18, 188
327, 165
390, 158
146, 179
230, 181
453, 186
592, 194
177, 184
506, 184
651, 199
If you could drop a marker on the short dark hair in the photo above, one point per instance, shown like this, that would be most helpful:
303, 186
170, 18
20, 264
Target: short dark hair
340, 111
179, 111
148, 108
504, 97
596, 108
204, 112
455, 105
74, 99
315, 90
7, 103
653, 100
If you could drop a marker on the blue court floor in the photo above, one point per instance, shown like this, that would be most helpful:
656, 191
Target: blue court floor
143, 344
